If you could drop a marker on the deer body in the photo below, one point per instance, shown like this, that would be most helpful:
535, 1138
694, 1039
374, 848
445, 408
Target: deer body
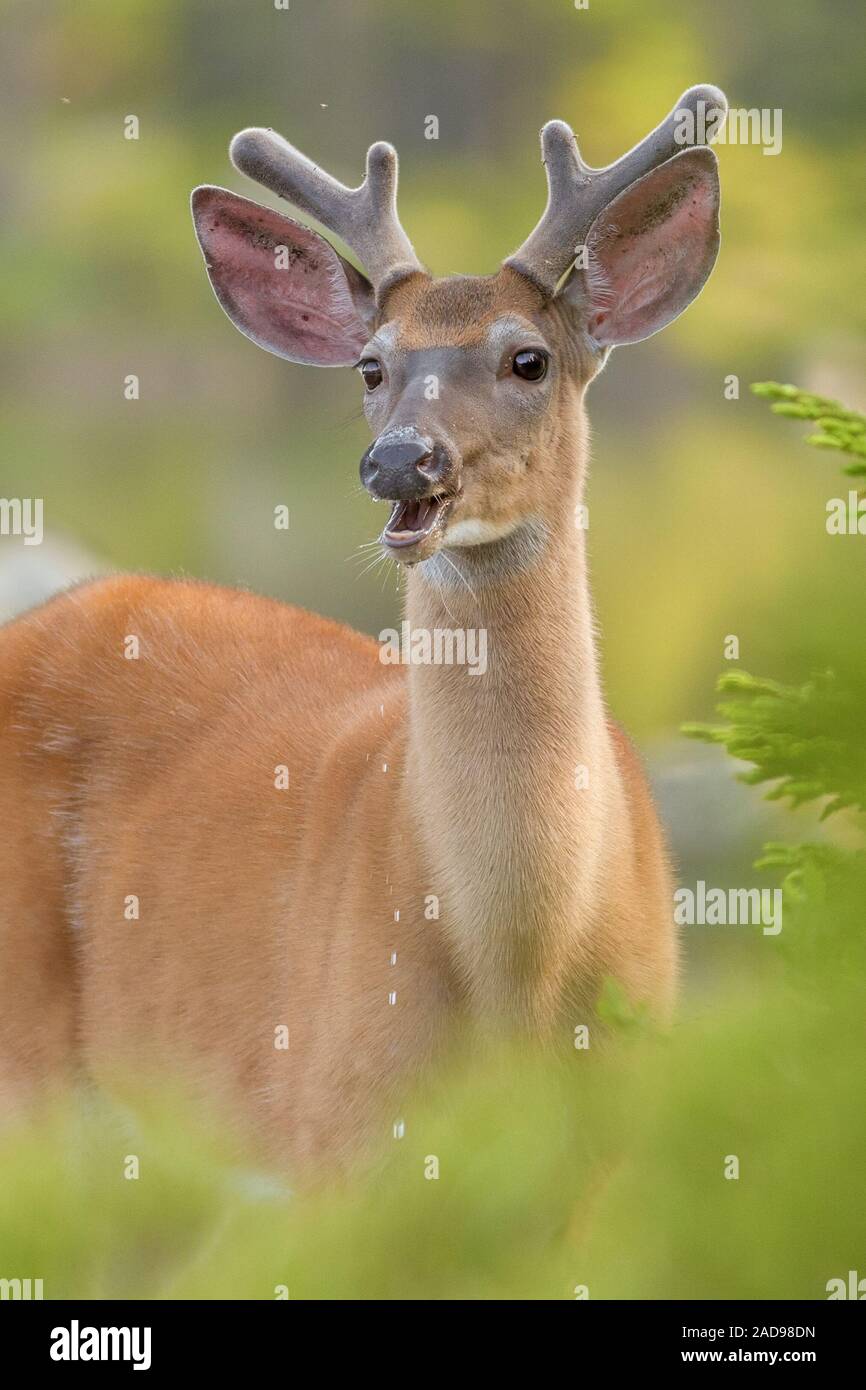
450, 848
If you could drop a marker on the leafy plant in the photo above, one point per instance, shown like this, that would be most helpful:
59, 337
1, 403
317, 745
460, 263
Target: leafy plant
838, 428
807, 740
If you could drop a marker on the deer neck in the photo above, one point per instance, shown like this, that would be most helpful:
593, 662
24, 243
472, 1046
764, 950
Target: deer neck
509, 777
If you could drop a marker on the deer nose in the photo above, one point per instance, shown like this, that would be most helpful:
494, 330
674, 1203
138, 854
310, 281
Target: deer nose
401, 466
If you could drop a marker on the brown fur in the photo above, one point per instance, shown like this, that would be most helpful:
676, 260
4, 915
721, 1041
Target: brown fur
458, 310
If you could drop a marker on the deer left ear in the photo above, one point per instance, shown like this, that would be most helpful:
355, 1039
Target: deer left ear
280, 283
650, 251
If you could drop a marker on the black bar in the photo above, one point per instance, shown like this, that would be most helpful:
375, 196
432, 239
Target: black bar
238, 1337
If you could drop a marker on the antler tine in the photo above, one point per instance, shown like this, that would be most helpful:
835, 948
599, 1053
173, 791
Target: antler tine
577, 193
365, 217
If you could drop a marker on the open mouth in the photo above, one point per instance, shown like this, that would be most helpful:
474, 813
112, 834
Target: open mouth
413, 522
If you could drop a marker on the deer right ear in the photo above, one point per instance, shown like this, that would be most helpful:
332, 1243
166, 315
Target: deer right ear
280, 283
651, 249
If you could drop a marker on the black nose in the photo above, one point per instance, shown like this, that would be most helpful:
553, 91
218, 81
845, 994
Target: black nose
401, 467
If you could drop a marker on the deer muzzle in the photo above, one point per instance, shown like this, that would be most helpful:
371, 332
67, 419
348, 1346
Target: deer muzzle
420, 477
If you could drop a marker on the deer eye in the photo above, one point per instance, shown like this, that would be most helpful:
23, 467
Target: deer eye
371, 371
530, 364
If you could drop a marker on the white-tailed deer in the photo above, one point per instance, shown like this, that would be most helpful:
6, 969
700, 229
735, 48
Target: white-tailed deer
229, 826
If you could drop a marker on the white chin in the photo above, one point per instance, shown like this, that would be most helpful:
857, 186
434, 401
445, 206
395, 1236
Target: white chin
471, 532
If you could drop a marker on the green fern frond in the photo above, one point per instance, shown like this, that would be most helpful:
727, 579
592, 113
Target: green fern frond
807, 740
838, 428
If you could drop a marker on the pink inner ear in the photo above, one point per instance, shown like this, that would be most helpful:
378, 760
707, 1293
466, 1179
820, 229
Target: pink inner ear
280, 283
652, 249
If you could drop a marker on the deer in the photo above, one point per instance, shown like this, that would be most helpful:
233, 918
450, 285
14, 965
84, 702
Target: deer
446, 850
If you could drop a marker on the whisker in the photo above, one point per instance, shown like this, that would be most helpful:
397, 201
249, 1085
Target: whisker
352, 418
459, 573
441, 592
372, 564
363, 553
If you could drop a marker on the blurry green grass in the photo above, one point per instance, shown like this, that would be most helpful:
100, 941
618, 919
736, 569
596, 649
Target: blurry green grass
602, 1168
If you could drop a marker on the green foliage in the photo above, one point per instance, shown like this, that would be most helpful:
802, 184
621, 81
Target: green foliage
805, 739
811, 870
617, 1011
557, 1168
838, 428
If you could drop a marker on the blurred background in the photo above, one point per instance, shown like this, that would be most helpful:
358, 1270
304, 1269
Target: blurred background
707, 519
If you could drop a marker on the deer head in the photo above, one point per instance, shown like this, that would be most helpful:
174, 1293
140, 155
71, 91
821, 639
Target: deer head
471, 382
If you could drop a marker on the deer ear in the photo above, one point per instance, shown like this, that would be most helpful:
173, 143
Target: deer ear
651, 250
280, 283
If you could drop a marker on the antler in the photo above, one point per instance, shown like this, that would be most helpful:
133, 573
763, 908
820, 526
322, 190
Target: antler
365, 217
577, 193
